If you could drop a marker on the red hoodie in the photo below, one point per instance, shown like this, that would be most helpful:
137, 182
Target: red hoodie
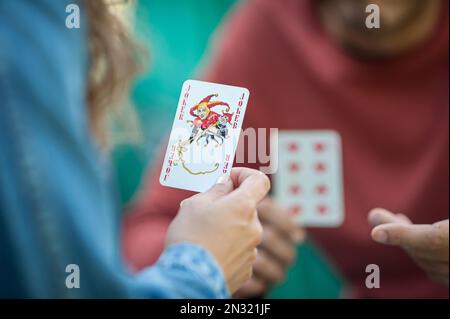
392, 117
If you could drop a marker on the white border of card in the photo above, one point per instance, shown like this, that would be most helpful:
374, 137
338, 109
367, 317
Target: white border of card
313, 209
201, 147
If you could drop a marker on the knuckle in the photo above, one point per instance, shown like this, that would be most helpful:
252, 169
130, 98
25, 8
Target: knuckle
247, 204
257, 233
187, 203
193, 200
220, 189
436, 240
265, 181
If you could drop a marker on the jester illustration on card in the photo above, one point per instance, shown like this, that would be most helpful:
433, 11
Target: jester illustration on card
204, 134
209, 124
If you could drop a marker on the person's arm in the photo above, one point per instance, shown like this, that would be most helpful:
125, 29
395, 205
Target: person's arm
57, 207
147, 219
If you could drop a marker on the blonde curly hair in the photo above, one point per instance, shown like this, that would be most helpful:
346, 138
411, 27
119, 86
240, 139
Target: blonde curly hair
114, 63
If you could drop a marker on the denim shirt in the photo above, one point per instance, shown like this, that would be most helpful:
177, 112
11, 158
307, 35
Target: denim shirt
58, 210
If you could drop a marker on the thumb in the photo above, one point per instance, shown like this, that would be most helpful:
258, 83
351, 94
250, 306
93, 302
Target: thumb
417, 236
223, 186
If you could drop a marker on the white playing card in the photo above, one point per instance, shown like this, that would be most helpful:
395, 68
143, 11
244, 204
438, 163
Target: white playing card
204, 135
309, 177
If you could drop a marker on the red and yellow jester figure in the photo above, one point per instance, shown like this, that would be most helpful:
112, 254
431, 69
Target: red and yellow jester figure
204, 117
207, 125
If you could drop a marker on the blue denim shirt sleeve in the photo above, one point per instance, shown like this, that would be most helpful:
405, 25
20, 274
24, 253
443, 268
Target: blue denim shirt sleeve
57, 206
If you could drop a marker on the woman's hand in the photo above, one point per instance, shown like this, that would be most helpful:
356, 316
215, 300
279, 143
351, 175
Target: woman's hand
223, 220
426, 244
276, 252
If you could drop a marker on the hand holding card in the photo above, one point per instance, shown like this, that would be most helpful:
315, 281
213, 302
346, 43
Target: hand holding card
223, 220
204, 135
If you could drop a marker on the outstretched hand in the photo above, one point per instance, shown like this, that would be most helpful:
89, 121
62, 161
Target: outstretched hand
426, 244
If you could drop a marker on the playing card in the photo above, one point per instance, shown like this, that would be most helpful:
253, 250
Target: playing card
309, 177
204, 135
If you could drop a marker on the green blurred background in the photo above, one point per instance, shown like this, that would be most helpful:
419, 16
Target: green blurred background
177, 34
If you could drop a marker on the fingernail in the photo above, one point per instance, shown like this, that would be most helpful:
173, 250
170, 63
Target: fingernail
223, 179
380, 236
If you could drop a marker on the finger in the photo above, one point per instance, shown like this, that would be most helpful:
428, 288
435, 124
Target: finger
251, 186
223, 186
271, 213
255, 287
278, 246
378, 216
268, 268
407, 236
